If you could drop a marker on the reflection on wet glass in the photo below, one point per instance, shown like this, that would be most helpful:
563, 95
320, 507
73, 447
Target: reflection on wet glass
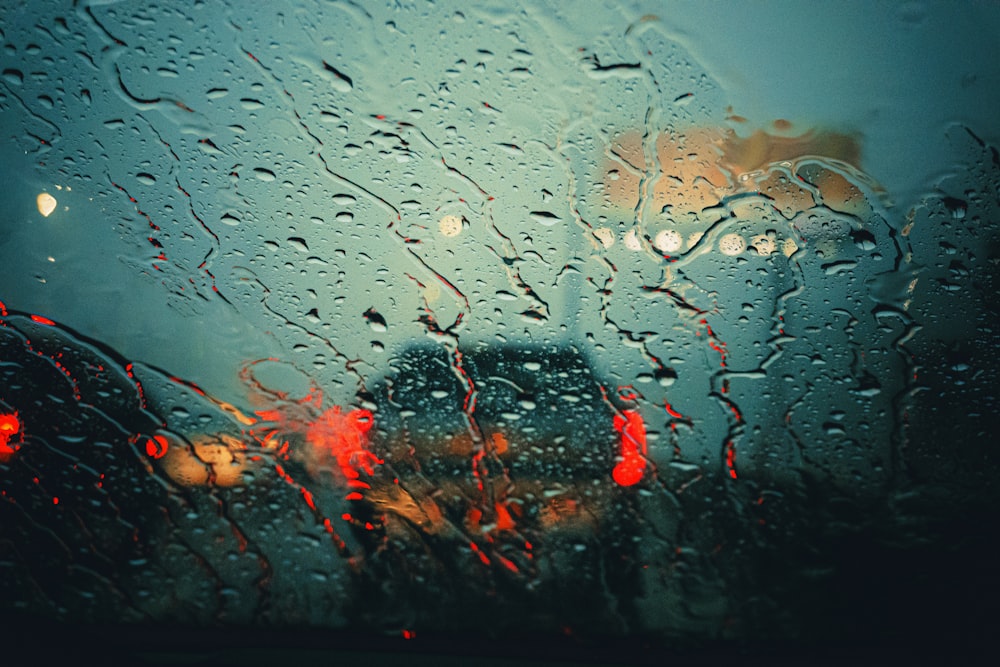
464, 320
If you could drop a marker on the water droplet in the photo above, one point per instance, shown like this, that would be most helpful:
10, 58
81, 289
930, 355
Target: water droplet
375, 321
863, 239
298, 243
665, 376
545, 218
833, 268
14, 76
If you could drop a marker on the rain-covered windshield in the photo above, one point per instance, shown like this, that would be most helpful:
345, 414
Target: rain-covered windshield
616, 324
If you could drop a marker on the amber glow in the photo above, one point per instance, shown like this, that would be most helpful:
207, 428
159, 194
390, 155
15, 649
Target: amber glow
565, 510
218, 460
499, 443
701, 166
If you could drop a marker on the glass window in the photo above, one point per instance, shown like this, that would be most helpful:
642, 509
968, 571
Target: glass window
610, 328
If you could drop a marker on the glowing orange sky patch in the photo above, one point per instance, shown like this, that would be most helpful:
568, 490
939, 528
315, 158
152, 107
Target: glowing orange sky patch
698, 167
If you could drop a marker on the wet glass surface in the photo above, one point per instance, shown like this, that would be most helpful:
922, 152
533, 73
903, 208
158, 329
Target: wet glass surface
496, 322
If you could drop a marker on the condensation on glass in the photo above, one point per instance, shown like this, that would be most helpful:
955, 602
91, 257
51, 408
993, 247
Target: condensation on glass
462, 318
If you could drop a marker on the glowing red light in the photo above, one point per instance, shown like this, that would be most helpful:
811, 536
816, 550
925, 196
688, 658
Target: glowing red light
157, 446
482, 557
342, 435
309, 499
508, 564
9, 426
630, 469
42, 320
504, 520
